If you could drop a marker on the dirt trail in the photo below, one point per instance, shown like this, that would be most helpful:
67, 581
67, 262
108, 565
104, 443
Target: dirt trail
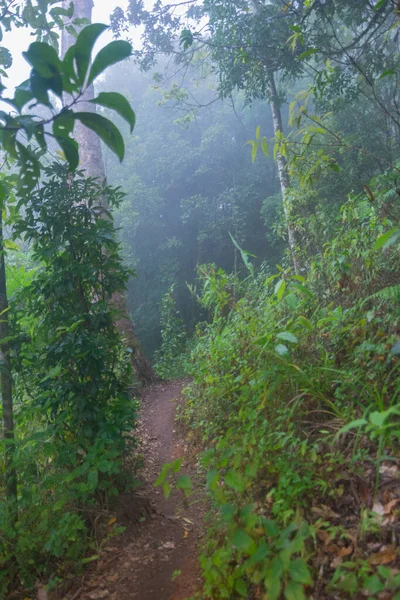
161, 541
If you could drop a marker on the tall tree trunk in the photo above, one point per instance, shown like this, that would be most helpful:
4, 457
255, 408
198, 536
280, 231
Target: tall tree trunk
282, 169
6, 386
91, 160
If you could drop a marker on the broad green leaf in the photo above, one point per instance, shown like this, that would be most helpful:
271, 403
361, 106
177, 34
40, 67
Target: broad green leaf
119, 103
241, 587
184, 483
281, 349
273, 578
294, 591
280, 289
377, 419
387, 239
353, 425
84, 46
70, 149
373, 584
299, 571
242, 540
264, 146
302, 320
235, 481
113, 53
105, 129
288, 337
43, 58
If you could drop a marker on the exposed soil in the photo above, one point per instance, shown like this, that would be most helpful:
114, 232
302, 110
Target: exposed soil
156, 556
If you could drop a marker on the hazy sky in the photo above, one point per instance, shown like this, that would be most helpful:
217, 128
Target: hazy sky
18, 40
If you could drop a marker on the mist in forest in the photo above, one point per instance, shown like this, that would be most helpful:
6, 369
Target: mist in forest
190, 182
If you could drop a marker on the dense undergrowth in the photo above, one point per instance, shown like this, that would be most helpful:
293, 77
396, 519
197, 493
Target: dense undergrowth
295, 399
73, 409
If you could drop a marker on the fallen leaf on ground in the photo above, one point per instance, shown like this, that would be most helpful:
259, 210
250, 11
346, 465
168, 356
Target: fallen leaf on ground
325, 512
384, 557
324, 536
390, 505
337, 561
169, 545
185, 535
41, 593
99, 595
346, 551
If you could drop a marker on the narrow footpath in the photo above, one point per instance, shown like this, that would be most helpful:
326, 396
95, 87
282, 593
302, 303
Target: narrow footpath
156, 558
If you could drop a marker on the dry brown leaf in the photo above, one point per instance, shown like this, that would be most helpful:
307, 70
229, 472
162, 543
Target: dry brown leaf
345, 551
332, 548
99, 595
41, 593
112, 521
325, 511
324, 536
185, 535
384, 557
169, 545
337, 561
390, 505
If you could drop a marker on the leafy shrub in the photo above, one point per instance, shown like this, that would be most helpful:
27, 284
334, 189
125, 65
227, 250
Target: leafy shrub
280, 382
74, 413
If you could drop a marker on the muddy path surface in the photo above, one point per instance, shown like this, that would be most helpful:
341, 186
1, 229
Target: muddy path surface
156, 558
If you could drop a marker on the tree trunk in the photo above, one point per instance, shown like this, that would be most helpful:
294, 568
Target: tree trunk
91, 160
89, 143
282, 170
6, 386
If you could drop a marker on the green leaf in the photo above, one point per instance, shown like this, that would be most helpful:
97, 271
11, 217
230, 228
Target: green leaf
352, 425
273, 578
43, 58
280, 289
258, 132
264, 146
93, 479
294, 591
288, 337
119, 103
70, 147
113, 53
299, 571
373, 584
84, 46
377, 419
235, 481
241, 540
387, 239
105, 129
387, 73
308, 53
281, 349
305, 322
184, 483
186, 39
241, 587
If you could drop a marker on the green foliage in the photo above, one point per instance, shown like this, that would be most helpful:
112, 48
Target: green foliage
70, 75
281, 379
74, 414
171, 357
